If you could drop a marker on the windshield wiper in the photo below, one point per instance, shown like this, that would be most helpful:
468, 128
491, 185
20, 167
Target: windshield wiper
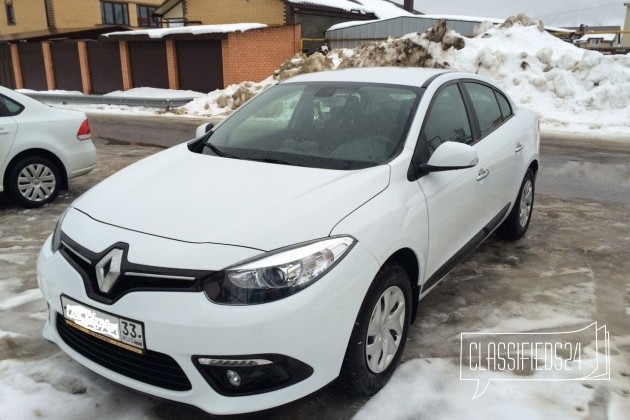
216, 150
271, 160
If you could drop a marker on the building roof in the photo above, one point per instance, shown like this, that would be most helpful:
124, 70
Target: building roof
381, 9
50, 34
186, 31
166, 7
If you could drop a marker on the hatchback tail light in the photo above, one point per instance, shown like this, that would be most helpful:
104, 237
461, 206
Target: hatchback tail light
84, 132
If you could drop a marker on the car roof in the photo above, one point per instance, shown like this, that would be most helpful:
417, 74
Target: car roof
411, 76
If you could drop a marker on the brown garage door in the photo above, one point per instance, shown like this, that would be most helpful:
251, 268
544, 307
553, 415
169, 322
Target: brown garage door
6, 67
65, 58
148, 64
104, 63
200, 65
32, 64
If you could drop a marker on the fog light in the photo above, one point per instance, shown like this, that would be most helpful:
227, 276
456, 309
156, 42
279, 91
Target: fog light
233, 378
252, 374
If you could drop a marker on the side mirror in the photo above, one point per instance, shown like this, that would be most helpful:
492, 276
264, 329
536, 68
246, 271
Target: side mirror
450, 156
203, 129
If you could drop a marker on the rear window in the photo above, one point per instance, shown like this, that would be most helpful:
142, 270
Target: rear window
8, 107
504, 104
486, 107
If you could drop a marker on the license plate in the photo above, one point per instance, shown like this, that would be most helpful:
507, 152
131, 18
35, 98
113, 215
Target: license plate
121, 332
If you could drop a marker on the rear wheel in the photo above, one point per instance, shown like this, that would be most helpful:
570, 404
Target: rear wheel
33, 181
515, 226
380, 331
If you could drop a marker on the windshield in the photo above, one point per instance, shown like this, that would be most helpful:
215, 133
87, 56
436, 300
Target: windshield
321, 125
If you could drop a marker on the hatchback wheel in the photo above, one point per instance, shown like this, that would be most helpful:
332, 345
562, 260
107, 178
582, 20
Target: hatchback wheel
379, 334
515, 226
34, 181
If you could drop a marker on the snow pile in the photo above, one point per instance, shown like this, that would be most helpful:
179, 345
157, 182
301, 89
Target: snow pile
223, 102
572, 89
148, 92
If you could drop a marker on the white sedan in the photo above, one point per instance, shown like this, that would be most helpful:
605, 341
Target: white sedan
41, 148
290, 245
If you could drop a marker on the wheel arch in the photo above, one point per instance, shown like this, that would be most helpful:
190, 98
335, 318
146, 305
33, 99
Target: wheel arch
38, 152
534, 167
408, 260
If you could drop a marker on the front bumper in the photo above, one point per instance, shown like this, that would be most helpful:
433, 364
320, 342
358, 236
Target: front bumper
312, 326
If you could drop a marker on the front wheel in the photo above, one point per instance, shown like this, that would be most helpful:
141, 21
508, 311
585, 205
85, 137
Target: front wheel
380, 331
515, 226
33, 181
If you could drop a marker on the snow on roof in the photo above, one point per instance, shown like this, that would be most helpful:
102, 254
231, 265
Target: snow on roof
345, 5
193, 30
383, 9
604, 37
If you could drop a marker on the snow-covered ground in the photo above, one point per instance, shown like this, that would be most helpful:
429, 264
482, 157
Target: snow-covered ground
575, 91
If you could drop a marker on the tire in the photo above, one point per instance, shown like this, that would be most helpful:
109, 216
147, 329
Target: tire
515, 226
33, 181
362, 374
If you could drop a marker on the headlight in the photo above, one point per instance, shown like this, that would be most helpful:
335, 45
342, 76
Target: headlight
56, 238
278, 274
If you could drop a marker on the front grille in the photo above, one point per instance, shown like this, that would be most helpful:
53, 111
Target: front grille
152, 368
133, 278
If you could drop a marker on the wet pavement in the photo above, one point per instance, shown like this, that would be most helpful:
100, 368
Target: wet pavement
572, 267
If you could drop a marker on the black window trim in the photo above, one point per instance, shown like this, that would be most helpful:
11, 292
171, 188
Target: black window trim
412, 174
4, 111
10, 12
497, 92
474, 112
153, 23
125, 6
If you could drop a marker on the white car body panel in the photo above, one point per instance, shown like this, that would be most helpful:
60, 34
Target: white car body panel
200, 212
270, 199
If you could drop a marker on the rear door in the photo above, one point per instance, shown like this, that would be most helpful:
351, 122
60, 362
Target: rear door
497, 135
8, 126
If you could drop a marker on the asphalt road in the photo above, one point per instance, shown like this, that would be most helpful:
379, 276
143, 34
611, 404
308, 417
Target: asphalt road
579, 236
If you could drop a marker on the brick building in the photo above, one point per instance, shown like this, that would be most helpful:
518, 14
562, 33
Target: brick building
22, 17
314, 17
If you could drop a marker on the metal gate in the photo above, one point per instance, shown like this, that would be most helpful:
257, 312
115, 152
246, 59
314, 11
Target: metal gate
65, 58
148, 64
32, 64
104, 64
200, 65
7, 78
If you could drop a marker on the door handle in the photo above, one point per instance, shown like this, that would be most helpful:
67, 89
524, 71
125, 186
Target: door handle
519, 147
483, 174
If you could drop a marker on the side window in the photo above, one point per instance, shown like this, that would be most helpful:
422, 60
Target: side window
486, 107
504, 104
447, 121
8, 107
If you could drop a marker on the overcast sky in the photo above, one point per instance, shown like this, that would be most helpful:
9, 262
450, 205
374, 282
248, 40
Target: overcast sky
553, 12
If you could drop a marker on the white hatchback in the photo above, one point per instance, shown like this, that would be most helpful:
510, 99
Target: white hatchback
290, 245
41, 148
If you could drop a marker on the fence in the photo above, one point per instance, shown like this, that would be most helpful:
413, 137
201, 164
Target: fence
193, 62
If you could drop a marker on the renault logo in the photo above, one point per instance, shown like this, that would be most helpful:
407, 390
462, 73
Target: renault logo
108, 270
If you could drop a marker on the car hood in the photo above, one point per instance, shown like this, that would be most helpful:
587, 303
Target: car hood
197, 198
